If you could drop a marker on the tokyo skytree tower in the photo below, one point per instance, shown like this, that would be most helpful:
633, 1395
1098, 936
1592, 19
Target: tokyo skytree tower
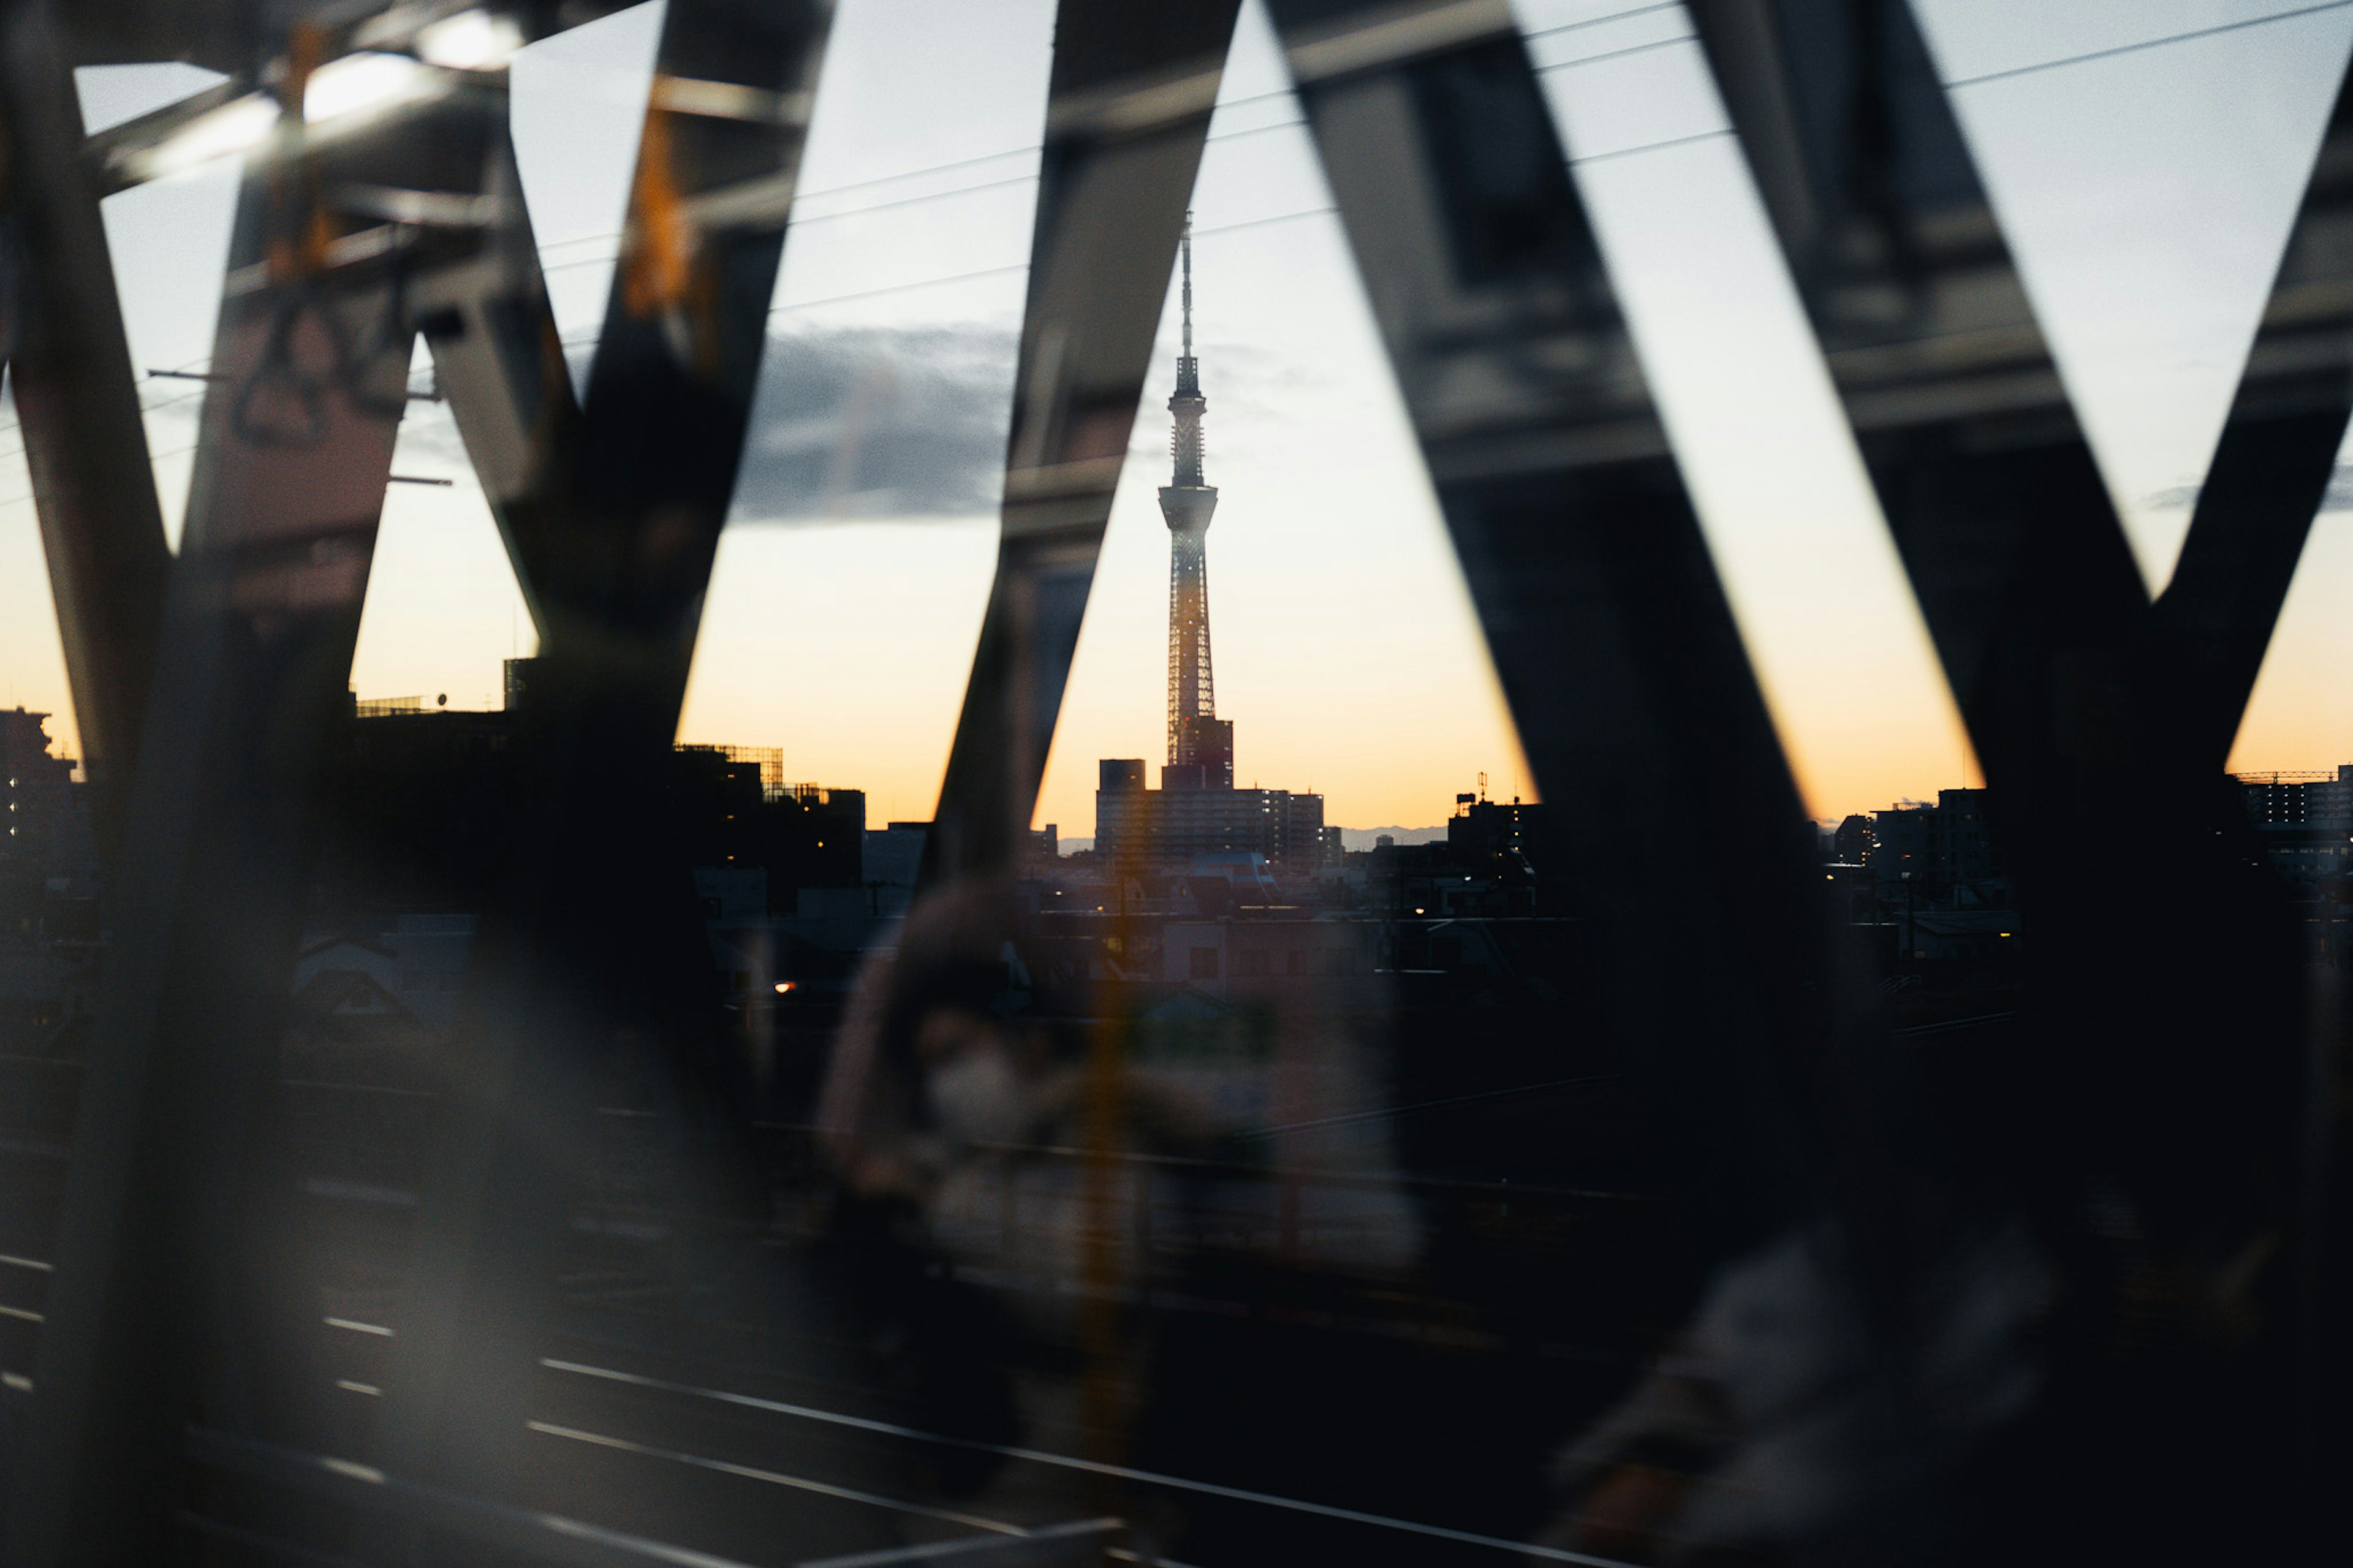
1196, 739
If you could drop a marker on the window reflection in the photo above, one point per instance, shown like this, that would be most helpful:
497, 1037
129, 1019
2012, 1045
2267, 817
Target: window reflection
675, 940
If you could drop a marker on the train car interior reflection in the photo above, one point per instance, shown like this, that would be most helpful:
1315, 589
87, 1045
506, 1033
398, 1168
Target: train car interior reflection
631, 933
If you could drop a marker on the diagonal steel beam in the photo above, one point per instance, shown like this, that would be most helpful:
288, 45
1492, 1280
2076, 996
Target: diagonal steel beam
498, 361
1993, 494
78, 404
177, 1294
2207, 635
1126, 114
1611, 633
226, 35
2160, 1067
587, 953
2269, 476
258, 635
2082, 701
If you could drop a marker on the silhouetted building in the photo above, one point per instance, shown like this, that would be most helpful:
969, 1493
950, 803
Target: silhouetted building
736, 813
1853, 843
895, 855
2299, 800
1207, 746
423, 803
420, 808
1943, 845
1485, 833
1170, 827
40, 790
1935, 876
1488, 865
47, 860
1498, 854
2304, 821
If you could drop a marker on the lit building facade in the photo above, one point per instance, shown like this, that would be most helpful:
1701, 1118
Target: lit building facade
1171, 827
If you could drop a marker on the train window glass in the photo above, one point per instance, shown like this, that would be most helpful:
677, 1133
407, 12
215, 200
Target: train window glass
2148, 194
846, 599
2298, 716
1056, 807
168, 241
1793, 526
579, 100
29, 651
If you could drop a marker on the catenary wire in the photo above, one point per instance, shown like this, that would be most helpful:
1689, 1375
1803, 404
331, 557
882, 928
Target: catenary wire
2242, 25
1629, 49
589, 342
1286, 124
1198, 234
174, 452
139, 380
802, 222
1548, 67
2221, 27
1281, 93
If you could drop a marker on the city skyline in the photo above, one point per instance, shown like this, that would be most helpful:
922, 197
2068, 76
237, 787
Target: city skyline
1341, 607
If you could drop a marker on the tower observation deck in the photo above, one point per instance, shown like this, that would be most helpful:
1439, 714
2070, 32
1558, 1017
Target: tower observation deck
1200, 746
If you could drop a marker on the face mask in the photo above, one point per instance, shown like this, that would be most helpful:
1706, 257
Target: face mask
977, 1097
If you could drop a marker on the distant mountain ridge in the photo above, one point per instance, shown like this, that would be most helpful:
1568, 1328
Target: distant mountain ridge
1363, 837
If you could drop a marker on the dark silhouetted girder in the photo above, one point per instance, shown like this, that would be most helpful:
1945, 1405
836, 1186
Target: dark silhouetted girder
593, 946
174, 1293
2161, 1061
1611, 633
78, 404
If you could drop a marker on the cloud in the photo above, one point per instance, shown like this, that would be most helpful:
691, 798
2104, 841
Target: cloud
859, 422
1251, 389
910, 421
877, 422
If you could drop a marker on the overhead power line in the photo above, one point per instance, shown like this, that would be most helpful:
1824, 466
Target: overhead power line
1619, 54
174, 452
804, 221
2134, 48
1031, 147
1010, 267
2139, 46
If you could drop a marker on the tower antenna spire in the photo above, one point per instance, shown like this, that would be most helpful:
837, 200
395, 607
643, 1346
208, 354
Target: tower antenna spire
1188, 369
1188, 283
1200, 744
